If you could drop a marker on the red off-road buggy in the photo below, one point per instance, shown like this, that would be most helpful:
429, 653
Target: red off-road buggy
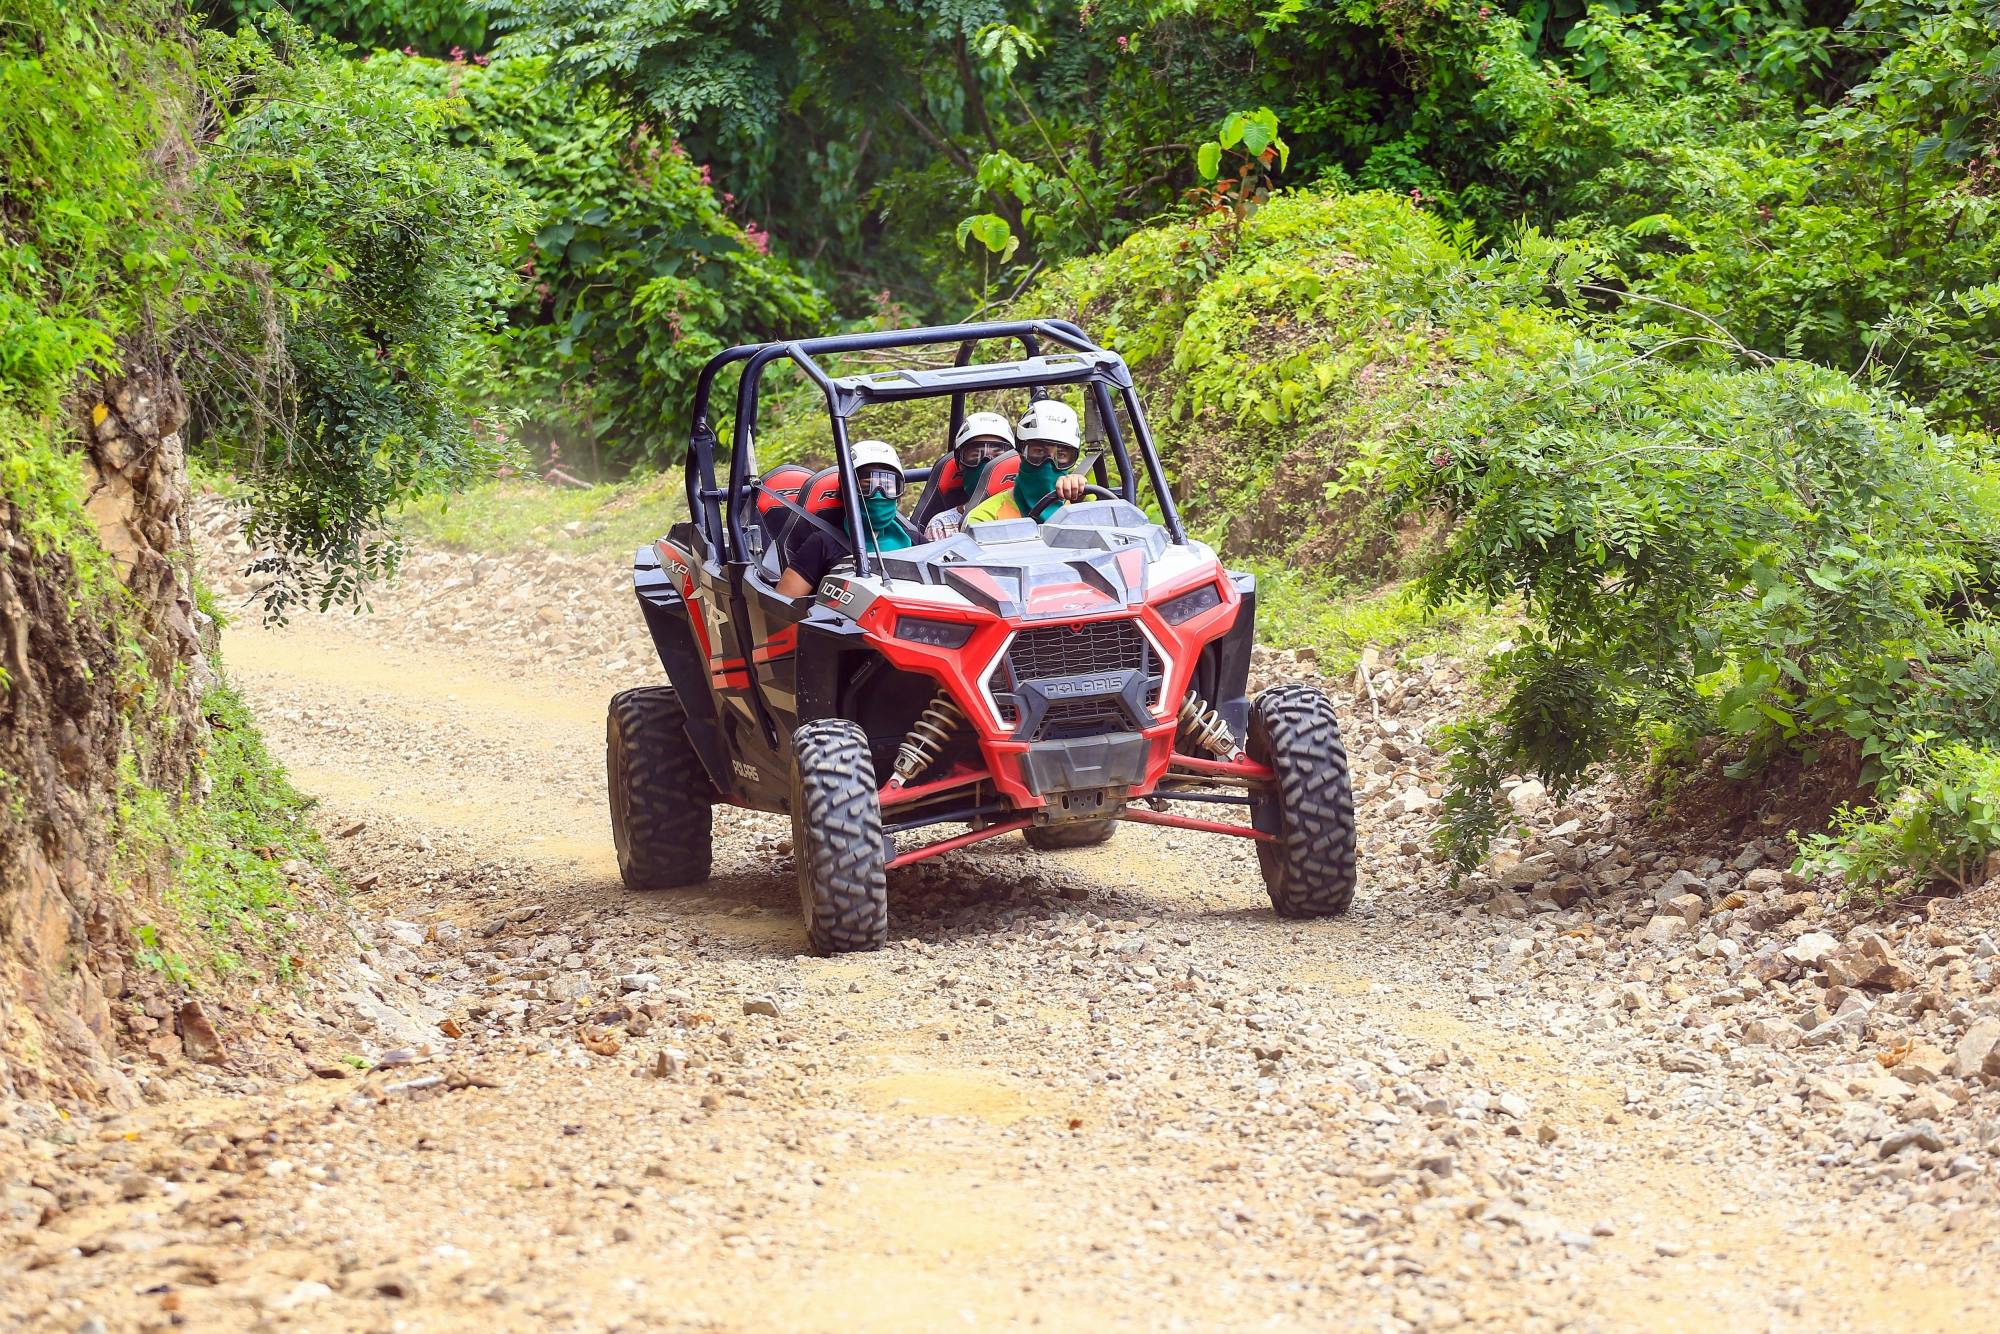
1050, 677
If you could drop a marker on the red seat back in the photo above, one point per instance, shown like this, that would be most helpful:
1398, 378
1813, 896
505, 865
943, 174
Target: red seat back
999, 477
822, 494
786, 480
950, 481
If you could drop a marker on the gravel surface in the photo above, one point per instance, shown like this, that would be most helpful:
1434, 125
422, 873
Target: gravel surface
1606, 1083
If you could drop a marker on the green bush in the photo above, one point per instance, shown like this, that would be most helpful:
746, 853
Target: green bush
431, 26
634, 271
93, 242
1277, 352
1942, 824
224, 842
336, 370
299, 235
1768, 555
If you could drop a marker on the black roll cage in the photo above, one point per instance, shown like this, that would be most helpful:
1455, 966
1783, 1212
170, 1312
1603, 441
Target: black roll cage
1080, 362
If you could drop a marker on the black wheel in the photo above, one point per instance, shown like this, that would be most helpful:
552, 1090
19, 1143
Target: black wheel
662, 803
1309, 869
1079, 834
837, 838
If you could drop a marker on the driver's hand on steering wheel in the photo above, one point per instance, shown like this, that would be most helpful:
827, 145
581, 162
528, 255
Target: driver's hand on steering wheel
1070, 485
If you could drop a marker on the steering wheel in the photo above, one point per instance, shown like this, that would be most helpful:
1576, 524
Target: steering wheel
1091, 489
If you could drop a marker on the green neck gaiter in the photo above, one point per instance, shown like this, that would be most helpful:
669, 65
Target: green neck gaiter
887, 532
972, 480
1033, 484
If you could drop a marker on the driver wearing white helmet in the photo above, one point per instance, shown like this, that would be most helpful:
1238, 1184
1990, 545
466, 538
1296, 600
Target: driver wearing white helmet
879, 474
1050, 446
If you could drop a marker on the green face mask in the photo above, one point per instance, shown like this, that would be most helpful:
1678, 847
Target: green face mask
1033, 484
974, 476
887, 533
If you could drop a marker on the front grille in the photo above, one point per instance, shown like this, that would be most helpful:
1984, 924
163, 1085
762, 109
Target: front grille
1071, 650
1067, 719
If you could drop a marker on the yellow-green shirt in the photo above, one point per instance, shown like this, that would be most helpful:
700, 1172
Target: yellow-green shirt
1000, 505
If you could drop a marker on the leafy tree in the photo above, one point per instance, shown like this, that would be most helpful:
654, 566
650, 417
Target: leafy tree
335, 366
635, 272
300, 235
92, 240
801, 109
433, 27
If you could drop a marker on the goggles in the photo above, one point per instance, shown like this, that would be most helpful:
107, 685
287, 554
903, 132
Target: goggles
1065, 456
975, 452
879, 481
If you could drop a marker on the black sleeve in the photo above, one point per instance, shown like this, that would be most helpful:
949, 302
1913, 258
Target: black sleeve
816, 555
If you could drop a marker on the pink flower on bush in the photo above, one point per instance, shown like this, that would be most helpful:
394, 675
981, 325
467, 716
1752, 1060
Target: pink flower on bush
707, 176
757, 237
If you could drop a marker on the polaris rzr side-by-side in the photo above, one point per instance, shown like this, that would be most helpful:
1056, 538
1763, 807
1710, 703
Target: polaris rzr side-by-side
1054, 674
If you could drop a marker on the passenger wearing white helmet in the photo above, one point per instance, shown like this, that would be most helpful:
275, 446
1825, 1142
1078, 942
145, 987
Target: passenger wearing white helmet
982, 438
1050, 446
879, 474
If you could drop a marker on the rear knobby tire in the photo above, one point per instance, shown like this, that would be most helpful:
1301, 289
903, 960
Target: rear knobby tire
1078, 834
662, 803
1309, 868
837, 839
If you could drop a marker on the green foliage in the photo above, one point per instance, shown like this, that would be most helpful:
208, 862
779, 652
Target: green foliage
337, 371
91, 239
433, 27
990, 230
636, 272
1859, 232
1766, 554
323, 262
802, 109
41, 483
224, 842
1941, 825
1253, 134
1277, 351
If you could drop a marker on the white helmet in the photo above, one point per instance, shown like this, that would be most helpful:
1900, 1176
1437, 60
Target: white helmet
876, 453
981, 424
1050, 420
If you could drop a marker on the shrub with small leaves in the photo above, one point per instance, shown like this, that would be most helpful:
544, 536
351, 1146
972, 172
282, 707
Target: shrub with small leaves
1941, 823
1763, 554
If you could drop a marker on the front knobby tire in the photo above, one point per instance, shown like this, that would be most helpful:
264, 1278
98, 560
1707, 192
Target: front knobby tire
662, 803
1309, 868
837, 839
1077, 834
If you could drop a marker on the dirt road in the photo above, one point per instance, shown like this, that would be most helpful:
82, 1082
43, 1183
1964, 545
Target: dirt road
1088, 1090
